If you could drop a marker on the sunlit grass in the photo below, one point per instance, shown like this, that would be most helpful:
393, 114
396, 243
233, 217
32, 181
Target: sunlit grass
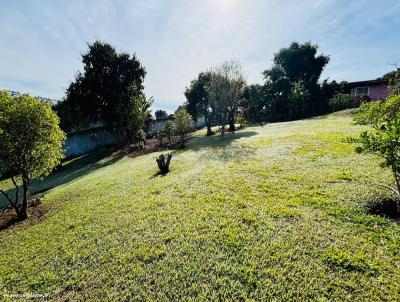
269, 213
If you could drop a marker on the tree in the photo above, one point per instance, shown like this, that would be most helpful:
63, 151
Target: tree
198, 100
160, 114
394, 80
183, 124
30, 144
109, 90
254, 104
384, 139
225, 92
292, 82
169, 130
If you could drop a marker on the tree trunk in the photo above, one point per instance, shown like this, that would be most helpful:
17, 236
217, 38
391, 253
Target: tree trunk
232, 125
21, 207
209, 131
163, 163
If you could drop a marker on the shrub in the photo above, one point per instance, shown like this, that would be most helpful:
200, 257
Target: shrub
183, 124
343, 101
384, 139
169, 130
361, 99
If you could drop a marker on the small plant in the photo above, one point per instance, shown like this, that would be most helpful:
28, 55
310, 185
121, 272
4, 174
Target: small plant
169, 130
183, 124
160, 136
384, 139
163, 163
241, 119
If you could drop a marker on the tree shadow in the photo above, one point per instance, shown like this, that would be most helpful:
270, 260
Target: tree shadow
217, 141
67, 172
223, 148
158, 174
386, 207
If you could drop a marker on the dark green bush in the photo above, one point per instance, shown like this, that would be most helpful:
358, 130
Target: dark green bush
343, 101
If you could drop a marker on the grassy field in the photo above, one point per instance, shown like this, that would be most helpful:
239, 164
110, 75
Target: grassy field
277, 213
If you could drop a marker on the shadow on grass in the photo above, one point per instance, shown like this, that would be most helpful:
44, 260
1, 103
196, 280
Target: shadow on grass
386, 207
159, 174
223, 148
69, 171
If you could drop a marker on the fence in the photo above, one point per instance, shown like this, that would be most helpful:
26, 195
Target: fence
83, 142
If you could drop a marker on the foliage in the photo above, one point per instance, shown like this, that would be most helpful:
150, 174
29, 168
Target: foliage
292, 82
198, 100
109, 90
384, 139
183, 124
160, 114
30, 143
343, 101
328, 89
225, 92
394, 80
254, 104
272, 213
241, 119
169, 130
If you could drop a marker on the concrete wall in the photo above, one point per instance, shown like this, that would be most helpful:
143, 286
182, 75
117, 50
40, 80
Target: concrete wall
158, 125
83, 142
375, 92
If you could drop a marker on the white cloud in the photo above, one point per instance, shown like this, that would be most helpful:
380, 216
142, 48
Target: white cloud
177, 39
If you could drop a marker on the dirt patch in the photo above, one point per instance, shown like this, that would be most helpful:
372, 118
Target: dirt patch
152, 145
36, 212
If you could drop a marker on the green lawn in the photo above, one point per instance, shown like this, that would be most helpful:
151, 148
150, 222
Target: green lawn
269, 213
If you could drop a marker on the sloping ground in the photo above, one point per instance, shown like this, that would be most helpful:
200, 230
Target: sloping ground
274, 212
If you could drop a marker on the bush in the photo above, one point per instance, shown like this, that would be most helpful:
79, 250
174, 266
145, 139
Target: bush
343, 101
384, 138
361, 99
169, 130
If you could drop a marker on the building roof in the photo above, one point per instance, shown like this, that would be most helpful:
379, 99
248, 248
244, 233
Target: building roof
369, 83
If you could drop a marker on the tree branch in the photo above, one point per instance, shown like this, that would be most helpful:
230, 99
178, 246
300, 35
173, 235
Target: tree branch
390, 188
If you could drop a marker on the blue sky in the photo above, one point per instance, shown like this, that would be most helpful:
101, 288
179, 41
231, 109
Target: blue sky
41, 41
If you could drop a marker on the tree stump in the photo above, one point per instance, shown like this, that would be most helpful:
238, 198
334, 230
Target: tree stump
163, 163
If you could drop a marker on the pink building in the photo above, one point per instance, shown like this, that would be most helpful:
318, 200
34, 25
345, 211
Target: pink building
375, 89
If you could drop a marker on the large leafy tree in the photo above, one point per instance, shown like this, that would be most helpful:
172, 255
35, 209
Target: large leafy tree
30, 144
110, 90
292, 82
198, 100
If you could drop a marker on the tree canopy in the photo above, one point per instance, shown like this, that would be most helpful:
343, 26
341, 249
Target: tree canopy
160, 114
30, 143
292, 82
198, 100
109, 90
225, 92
